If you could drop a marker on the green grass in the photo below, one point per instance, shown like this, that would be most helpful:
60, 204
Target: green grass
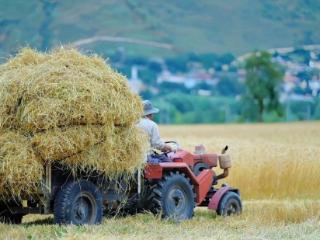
260, 220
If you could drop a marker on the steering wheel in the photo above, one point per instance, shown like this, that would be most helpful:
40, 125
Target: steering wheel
174, 144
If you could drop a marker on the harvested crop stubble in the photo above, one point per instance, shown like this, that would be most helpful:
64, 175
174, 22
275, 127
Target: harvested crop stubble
68, 107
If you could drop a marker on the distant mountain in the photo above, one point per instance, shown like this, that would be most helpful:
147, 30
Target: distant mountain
235, 26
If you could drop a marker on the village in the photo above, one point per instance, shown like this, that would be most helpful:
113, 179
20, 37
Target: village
217, 76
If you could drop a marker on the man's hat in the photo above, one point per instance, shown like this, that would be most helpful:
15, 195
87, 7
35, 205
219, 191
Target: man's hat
148, 108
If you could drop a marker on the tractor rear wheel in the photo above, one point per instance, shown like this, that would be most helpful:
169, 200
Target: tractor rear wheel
173, 197
230, 204
78, 203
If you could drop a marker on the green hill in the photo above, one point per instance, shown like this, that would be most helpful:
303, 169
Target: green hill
188, 25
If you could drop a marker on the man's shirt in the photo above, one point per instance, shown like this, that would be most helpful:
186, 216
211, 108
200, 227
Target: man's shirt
151, 128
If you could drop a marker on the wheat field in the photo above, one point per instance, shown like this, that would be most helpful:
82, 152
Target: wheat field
275, 166
278, 161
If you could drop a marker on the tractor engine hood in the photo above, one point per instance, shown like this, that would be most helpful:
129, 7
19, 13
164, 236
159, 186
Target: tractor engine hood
191, 159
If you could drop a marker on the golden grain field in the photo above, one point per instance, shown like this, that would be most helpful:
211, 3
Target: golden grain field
279, 161
275, 166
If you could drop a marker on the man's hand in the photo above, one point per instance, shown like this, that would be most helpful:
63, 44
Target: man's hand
167, 148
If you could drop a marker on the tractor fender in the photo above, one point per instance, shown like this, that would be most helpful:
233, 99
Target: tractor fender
216, 198
202, 183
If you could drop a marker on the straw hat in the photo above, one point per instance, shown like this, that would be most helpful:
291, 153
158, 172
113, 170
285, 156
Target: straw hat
148, 108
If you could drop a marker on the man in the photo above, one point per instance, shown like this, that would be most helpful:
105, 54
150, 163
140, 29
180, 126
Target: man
151, 128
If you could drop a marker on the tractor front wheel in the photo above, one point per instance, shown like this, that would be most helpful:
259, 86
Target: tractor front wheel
173, 197
78, 203
199, 167
230, 204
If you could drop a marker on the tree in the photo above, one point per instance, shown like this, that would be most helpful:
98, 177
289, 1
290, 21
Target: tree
316, 114
177, 64
262, 82
228, 86
226, 58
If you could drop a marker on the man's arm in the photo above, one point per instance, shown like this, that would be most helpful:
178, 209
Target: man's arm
156, 141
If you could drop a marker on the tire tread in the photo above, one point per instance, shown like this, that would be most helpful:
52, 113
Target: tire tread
62, 201
159, 189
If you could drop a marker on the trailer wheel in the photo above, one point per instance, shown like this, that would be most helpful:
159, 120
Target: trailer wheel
173, 197
230, 204
6, 216
78, 203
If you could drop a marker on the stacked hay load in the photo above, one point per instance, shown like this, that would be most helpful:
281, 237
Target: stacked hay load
66, 107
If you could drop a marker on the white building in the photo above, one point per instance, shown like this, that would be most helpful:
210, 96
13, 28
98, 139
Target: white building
135, 83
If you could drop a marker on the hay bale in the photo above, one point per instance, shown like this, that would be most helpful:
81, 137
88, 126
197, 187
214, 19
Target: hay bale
68, 107
21, 170
61, 89
60, 143
117, 154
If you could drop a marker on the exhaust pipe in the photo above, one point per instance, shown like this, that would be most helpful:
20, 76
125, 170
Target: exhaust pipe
224, 149
225, 163
224, 174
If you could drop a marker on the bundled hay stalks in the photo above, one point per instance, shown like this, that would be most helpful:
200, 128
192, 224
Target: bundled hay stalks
64, 142
62, 89
20, 170
116, 155
67, 107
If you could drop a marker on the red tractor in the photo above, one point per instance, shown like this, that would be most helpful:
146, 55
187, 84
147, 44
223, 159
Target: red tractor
172, 189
